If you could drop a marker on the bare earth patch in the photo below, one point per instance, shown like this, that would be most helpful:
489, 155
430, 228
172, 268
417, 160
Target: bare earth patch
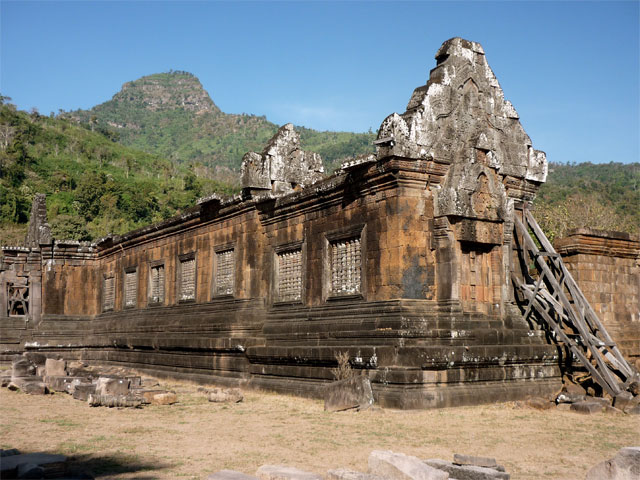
194, 438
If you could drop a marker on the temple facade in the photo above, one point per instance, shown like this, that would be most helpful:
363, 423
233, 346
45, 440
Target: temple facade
402, 258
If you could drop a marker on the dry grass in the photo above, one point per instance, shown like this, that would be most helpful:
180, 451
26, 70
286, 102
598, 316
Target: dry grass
194, 438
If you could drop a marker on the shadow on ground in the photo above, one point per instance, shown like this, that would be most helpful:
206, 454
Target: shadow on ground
106, 466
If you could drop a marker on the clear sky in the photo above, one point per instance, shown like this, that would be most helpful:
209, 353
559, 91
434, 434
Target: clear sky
571, 69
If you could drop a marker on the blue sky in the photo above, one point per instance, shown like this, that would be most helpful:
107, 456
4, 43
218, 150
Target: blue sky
571, 69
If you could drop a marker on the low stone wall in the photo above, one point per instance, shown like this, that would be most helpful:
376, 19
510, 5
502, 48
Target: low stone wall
606, 266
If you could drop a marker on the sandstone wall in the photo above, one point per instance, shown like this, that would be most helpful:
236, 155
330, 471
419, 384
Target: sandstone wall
606, 266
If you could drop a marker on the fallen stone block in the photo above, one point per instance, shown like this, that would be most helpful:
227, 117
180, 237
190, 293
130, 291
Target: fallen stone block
612, 410
538, 403
397, 466
63, 383
77, 368
112, 386
344, 474
605, 402
111, 401
570, 398
586, 408
30, 385
38, 359
624, 466
564, 407
634, 387
134, 381
146, 395
55, 368
5, 380
573, 388
467, 472
282, 472
225, 395
351, 393
230, 475
167, 398
53, 465
622, 400
34, 388
22, 367
487, 462
83, 390
633, 410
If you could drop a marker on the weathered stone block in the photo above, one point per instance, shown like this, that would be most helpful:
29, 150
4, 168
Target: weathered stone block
622, 400
344, 474
22, 367
225, 395
55, 368
570, 398
467, 472
624, 466
351, 393
167, 398
487, 462
398, 466
540, 403
83, 390
586, 407
230, 475
282, 472
96, 400
112, 386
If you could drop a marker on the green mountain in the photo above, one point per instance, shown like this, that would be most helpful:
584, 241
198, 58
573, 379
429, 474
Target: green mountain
170, 114
94, 185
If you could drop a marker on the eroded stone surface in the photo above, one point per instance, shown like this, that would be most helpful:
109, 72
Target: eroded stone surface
624, 466
282, 167
230, 475
461, 117
345, 474
468, 472
398, 466
351, 393
225, 395
283, 472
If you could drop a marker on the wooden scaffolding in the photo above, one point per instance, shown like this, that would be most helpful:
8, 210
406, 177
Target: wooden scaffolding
554, 296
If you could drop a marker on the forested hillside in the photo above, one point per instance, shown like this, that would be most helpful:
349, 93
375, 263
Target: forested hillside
602, 196
170, 114
94, 185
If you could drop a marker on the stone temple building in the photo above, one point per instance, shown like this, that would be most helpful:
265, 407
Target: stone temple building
402, 258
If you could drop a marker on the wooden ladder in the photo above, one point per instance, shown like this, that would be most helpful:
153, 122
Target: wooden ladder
557, 300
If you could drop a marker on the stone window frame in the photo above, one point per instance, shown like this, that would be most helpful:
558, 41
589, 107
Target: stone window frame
183, 258
21, 296
125, 272
105, 277
150, 301
283, 248
214, 272
358, 230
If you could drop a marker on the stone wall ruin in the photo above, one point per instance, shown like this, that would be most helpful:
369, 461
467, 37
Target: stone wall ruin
401, 258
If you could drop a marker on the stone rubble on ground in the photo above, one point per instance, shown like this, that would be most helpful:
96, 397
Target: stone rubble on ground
398, 466
224, 395
349, 394
283, 472
624, 466
106, 386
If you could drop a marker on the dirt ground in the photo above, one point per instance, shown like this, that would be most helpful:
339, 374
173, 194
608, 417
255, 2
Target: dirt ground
194, 438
